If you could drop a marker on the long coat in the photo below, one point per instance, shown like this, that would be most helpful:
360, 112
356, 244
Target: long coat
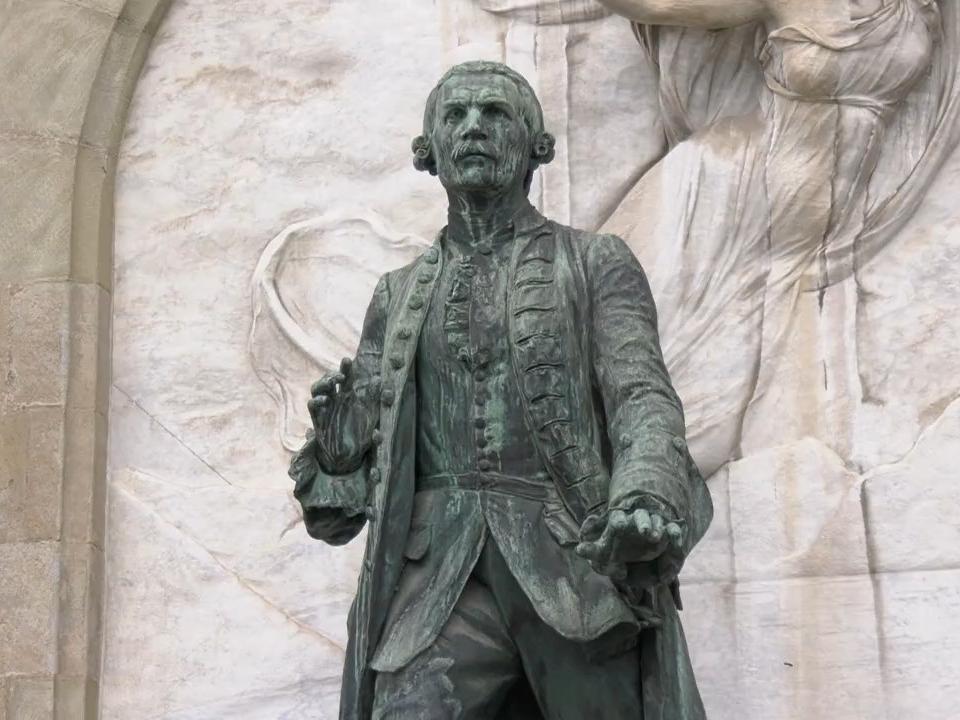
599, 405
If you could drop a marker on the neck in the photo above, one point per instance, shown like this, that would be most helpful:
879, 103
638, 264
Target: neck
476, 218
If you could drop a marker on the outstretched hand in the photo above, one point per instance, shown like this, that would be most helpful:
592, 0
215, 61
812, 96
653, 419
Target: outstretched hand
624, 538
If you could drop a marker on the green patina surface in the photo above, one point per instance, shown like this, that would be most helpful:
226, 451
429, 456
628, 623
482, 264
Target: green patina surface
509, 432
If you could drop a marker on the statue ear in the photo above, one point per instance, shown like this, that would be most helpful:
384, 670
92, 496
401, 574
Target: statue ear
423, 159
542, 151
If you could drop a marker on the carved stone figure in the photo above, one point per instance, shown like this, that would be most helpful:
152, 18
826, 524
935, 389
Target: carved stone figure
800, 136
509, 434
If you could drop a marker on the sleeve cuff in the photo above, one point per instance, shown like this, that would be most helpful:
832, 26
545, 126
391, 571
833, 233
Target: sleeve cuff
317, 490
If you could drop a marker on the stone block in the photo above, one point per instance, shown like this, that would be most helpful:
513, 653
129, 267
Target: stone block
89, 359
76, 697
93, 219
796, 648
119, 70
29, 580
50, 53
712, 559
84, 477
30, 699
912, 504
709, 624
238, 592
31, 462
35, 339
35, 207
81, 607
920, 642
795, 511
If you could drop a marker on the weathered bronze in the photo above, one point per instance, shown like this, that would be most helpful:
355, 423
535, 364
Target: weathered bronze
510, 434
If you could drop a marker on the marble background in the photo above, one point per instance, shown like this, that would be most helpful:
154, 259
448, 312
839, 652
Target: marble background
829, 583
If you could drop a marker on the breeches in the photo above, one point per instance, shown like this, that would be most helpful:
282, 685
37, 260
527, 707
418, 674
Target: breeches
495, 657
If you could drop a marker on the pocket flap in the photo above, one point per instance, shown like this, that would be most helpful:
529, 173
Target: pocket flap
561, 525
417, 542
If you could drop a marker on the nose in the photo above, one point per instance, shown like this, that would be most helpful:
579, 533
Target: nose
473, 126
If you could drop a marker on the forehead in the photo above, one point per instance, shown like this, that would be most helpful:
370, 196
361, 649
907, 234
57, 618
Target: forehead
479, 87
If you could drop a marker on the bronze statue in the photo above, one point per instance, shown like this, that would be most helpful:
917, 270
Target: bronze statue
510, 435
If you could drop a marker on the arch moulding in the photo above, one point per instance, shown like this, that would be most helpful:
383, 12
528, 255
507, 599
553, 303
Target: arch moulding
68, 69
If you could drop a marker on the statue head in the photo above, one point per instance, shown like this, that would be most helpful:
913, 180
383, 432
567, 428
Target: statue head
482, 130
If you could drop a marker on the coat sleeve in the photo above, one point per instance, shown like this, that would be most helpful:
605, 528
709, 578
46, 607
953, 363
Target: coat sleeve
651, 466
343, 444
333, 507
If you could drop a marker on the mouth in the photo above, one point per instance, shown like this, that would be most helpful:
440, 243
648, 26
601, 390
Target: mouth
474, 154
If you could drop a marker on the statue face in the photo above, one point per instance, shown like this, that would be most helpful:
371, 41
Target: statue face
480, 140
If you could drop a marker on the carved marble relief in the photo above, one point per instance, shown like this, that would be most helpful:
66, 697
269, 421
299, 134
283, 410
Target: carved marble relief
794, 156
827, 584
791, 157
331, 262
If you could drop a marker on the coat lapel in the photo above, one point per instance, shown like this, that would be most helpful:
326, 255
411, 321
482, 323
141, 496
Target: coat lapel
392, 501
541, 345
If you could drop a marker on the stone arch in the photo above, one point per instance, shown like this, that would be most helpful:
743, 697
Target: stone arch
67, 69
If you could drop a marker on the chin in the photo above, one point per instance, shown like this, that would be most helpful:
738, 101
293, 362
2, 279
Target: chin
473, 184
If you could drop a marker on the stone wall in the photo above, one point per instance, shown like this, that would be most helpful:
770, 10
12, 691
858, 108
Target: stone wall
263, 183
67, 70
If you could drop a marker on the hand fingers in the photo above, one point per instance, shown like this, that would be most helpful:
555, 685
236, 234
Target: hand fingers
644, 523
614, 535
322, 386
314, 405
327, 384
346, 372
656, 529
599, 551
592, 527
675, 535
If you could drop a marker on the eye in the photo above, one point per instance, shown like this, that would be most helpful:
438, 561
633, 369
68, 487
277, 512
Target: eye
454, 115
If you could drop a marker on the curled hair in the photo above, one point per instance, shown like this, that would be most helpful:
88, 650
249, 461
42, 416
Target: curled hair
543, 142
423, 155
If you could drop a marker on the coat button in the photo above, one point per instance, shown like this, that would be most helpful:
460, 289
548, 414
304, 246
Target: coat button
484, 465
480, 423
679, 444
396, 362
415, 303
375, 475
424, 278
432, 256
387, 397
625, 441
404, 334
371, 513
377, 439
